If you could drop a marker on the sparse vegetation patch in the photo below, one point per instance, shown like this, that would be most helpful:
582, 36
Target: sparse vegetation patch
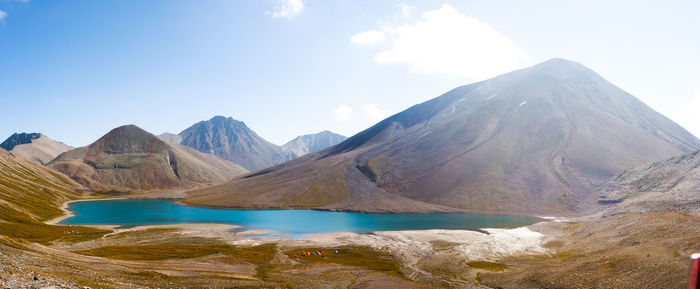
486, 265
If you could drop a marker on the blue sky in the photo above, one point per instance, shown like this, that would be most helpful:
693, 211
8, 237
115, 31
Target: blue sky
73, 70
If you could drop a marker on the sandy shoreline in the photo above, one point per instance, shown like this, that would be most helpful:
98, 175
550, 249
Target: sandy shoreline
413, 246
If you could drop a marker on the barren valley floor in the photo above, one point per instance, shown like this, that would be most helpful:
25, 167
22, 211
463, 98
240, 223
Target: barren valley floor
623, 251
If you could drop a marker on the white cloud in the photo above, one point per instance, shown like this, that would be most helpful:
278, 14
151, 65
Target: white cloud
446, 42
342, 113
367, 38
287, 8
377, 113
405, 9
3, 14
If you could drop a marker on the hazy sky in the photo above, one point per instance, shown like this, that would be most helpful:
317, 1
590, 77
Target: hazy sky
73, 70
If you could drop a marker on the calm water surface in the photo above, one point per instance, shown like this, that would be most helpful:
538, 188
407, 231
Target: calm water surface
292, 223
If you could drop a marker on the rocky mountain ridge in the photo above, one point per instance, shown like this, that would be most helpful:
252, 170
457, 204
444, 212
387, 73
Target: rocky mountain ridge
233, 140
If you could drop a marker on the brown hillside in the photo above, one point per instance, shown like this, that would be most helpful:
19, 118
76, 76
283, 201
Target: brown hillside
130, 158
30, 192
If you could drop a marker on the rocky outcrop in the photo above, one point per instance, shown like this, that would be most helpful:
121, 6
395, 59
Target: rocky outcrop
672, 185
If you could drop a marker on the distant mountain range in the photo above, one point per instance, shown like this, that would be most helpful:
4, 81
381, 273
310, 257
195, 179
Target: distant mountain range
171, 138
309, 143
129, 157
233, 140
35, 147
138, 159
537, 140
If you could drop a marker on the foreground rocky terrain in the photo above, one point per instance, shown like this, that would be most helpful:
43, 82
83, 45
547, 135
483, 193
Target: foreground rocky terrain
610, 253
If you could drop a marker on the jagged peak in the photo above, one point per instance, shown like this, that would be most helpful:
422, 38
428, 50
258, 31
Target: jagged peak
225, 119
18, 139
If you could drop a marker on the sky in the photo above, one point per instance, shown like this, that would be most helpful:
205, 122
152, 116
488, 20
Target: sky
73, 70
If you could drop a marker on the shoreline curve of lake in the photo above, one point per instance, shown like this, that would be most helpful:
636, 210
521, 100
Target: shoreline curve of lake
288, 223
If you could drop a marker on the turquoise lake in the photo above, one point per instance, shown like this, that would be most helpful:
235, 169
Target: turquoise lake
289, 223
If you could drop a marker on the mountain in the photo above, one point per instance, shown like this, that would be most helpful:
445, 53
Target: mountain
35, 147
670, 185
231, 140
30, 192
537, 140
18, 139
129, 157
309, 143
171, 138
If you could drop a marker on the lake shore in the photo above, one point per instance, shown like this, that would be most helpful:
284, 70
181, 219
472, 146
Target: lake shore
413, 245
484, 243
161, 211
157, 194
68, 213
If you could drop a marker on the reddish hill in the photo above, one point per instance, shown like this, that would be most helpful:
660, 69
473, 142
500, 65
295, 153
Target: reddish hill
129, 157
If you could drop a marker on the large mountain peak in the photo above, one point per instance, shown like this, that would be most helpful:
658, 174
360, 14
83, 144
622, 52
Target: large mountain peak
231, 140
223, 121
539, 140
561, 64
561, 70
